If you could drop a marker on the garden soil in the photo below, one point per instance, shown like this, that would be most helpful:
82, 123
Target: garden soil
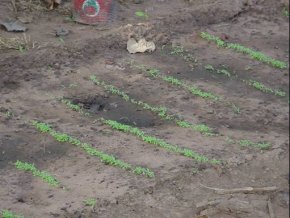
32, 80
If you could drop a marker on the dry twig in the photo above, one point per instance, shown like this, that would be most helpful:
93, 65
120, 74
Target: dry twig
242, 190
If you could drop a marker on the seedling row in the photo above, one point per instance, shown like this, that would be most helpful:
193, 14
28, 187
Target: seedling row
259, 56
89, 149
163, 113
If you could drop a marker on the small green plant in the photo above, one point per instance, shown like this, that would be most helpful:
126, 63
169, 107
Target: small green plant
72, 85
261, 87
181, 52
158, 110
249, 143
89, 149
142, 14
9, 214
285, 12
177, 82
91, 202
236, 109
260, 145
209, 67
241, 49
61, 39
45, 176
194, 171
8, 114
224, 72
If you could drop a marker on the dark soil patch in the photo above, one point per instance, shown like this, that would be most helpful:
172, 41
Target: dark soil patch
114, 108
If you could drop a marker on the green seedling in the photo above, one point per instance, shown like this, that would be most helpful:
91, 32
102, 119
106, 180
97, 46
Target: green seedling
285, 12
261, 87
224, 72
89, 149
61, 39
142, 14
161, 111
45, 176
159, 142
91, 202
194, 171
249, 143
72, 85
209, 67
236, 109
155, 141
69, 19
260, 145
9, 214
181, 52
8, 114
176, 82
241, 49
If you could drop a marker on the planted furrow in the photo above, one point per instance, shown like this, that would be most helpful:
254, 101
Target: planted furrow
45, 176
259, 56
147, 138
155, 73
89, 149
162, 112
250, 82
159, 142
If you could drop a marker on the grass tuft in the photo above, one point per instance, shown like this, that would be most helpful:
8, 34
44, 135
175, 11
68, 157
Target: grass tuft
21, 44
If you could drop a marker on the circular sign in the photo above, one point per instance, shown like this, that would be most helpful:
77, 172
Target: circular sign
93, 11
91, 8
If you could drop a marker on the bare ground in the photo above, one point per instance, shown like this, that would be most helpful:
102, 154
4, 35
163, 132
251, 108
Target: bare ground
31, 81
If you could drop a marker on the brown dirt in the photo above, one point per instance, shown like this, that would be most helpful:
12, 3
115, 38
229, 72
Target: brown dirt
31, 81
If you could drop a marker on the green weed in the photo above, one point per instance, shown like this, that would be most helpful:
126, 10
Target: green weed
9, 214
45, 176
236, 109
159, 142
285, 12
61, 39
209, 67
89, 149
241, 49
8, 114
91, 202
181, 52
249, 143
224, 72
260, 145
159, 110
142, 14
